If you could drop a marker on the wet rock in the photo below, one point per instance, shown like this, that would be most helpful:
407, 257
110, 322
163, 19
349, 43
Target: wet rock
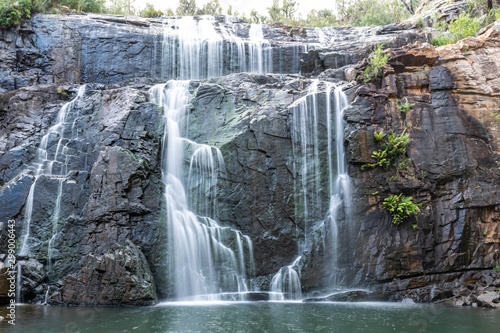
350, 296
4, 283
33, 274
452, 172
119, 276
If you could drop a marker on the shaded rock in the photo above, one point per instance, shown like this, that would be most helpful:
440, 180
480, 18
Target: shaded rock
453, 171
119, 276
4, 283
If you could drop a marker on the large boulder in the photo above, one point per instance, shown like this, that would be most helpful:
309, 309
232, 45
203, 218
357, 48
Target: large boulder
121, 276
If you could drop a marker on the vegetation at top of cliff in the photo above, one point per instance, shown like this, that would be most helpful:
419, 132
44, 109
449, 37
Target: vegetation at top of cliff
13, 12
400, 207
376, 63
391, 150
469, 23
341, 13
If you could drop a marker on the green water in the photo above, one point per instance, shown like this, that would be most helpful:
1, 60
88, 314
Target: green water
257, 317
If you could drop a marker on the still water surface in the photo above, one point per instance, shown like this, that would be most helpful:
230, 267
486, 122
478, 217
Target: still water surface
234, 317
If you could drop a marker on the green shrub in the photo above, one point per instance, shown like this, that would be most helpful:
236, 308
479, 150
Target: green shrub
376, 63
390, 151
400, 207
405, 107
442, 39
13, 12
465, 26
150, 11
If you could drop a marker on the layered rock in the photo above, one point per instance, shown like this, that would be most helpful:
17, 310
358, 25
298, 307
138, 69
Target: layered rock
452, 170
108, 49
112, 189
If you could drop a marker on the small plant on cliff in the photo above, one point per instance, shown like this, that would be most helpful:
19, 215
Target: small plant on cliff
13, 12
406, 106
496, 267
390, 150
400, 207
376, 63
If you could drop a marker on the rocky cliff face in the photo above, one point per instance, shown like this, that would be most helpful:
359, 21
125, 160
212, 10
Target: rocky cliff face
453, 246
110, 235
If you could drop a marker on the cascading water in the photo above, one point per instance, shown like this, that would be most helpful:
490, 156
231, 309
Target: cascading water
340, 189
19, 284
286, 283
310, 167
208, 261
52, 164
199, 48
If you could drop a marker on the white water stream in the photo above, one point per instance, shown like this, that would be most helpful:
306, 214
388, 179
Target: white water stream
208, 261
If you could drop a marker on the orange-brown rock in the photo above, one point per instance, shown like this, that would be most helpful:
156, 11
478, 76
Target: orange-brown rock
452, 170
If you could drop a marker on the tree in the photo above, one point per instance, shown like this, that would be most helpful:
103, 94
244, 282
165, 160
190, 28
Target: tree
275, 11
211, 8
187, 8
289, 8
409, 7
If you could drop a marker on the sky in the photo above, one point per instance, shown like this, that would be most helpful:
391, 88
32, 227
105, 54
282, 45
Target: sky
243, 6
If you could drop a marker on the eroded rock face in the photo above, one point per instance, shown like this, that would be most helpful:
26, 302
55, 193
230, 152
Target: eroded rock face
119, 276
113, 193
111, 190
453, 171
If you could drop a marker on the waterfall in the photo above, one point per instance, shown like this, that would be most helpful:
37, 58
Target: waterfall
322, 179
342, 181
19, 292
207, 260
286, 283
201, 47
54, 166
305, 139
261, 57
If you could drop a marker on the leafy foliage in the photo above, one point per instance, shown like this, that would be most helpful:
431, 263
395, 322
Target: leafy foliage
406, 106
400, 207
13, 12
373, 12
379, 136
186, 8
376, 63
390, 150
442, 39
151, 11
211, 8
464, 26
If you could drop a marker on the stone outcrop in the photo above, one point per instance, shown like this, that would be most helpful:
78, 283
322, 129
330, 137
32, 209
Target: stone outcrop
112, 190
452, 171
50, 49
121, 276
